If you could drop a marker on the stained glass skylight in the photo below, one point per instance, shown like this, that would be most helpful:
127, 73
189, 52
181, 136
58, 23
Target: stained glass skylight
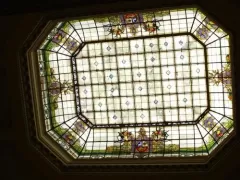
137, 84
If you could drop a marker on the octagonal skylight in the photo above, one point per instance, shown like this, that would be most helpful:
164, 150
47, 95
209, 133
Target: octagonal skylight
138, 84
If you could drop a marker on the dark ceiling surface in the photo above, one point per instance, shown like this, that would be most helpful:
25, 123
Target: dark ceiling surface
11, 7
19, 159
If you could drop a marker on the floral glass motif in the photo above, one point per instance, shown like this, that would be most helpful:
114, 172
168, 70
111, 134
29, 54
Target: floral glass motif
216, 129
71, 44
137, 85
141, 144
209, 122
115, 30
151, 26
59, 36
223, 76
55, 87
69, 138
218, 133
80, 126
202, 33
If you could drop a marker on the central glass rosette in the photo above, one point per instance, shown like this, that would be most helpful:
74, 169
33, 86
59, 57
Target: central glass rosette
142, 80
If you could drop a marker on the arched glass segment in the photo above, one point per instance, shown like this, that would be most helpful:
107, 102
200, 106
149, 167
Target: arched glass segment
139, 84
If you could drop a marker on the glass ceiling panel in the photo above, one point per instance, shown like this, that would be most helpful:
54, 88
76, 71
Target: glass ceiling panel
141, 84
139, 81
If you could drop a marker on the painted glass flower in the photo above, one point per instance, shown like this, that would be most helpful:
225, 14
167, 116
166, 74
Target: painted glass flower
230, 96
124, 136
55, 88
80, 126
71, 45
228, 58
224, 77
159, 135
218, 133
209, 122
151, 26
59, 36
68, 138
116, 30
202, 33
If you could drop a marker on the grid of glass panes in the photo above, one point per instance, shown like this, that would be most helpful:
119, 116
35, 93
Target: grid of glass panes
142, 80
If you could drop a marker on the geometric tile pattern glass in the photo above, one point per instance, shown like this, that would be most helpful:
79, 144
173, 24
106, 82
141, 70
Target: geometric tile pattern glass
142, 81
